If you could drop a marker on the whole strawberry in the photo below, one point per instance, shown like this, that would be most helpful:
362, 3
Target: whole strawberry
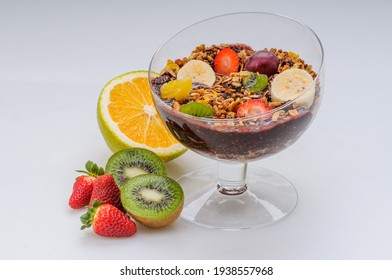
81, 194
108, 221
83, 186
105, 190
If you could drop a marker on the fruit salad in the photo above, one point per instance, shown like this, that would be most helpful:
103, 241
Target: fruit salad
264, 98
229, 78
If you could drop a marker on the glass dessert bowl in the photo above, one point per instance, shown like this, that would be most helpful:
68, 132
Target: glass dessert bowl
237, 88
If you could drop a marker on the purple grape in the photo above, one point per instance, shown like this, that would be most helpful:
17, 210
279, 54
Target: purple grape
262, 62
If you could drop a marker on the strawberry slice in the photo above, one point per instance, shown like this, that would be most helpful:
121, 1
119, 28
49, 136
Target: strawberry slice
226, 62
252, 107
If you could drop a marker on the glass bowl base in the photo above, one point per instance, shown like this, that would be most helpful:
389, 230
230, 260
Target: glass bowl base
269, 197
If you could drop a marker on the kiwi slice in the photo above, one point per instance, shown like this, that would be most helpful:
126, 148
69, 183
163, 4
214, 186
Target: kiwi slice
153, 200
128, 163
255, 82
197, 109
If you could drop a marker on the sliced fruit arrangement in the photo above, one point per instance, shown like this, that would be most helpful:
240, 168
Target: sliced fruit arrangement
153, 200
134, 182
128, 118
225, 77
129, 163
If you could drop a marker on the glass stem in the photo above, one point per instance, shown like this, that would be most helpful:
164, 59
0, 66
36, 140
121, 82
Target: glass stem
231, 177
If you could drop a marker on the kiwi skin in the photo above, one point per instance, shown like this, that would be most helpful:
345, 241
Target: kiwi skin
158, 223
149, 219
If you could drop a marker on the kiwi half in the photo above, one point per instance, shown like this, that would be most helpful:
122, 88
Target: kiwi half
153, 200
128, 163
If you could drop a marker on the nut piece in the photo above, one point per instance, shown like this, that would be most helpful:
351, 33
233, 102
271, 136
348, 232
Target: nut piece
176, 106
275, 116
293, 113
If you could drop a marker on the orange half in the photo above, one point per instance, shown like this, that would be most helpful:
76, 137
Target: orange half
127, 117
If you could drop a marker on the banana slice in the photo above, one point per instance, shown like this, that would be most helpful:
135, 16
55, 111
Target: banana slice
292, 83
198, 71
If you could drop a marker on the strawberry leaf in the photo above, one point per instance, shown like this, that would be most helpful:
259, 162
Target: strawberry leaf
88, 165
87, 218
92, 169
101, 171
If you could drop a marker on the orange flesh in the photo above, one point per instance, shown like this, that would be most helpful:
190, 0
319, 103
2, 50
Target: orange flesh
132, 108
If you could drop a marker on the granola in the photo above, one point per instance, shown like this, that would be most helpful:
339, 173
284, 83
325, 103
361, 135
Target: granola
230, 91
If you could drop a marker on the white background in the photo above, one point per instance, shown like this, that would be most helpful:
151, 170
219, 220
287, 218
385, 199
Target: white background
55, 57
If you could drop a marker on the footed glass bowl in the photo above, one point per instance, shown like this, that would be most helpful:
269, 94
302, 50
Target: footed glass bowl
232, 196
